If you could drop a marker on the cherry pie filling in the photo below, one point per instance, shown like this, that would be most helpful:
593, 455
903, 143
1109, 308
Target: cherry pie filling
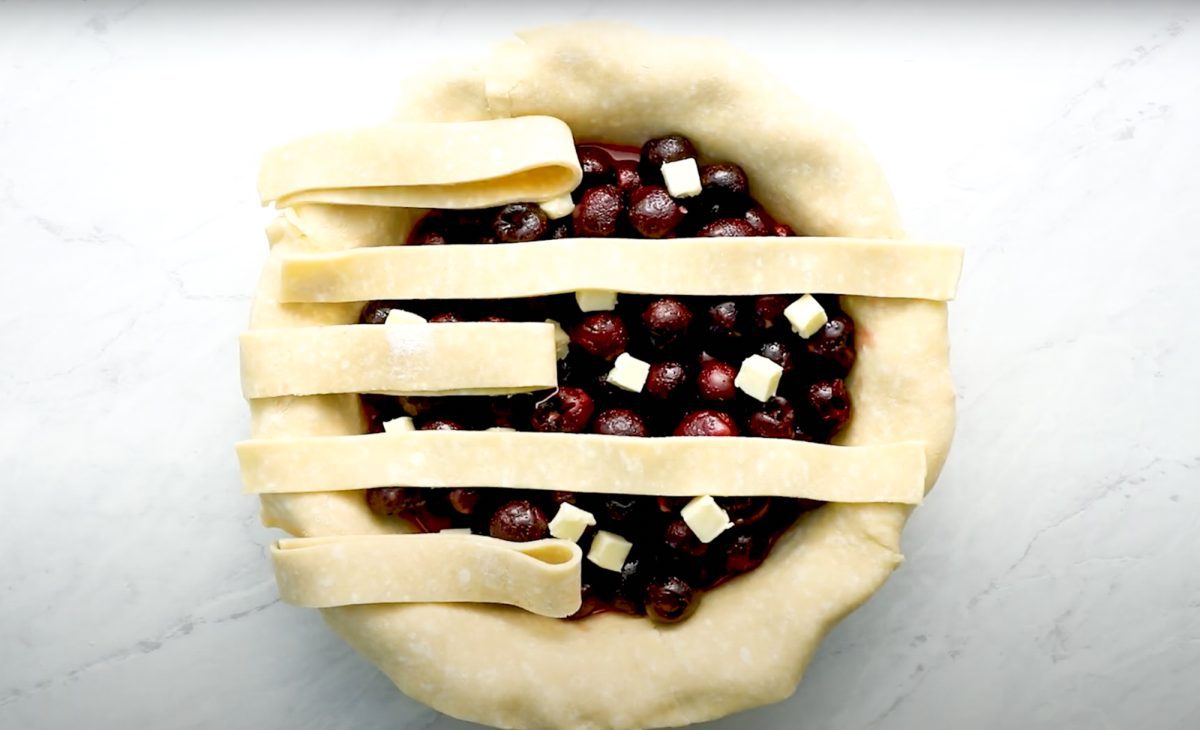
694, 346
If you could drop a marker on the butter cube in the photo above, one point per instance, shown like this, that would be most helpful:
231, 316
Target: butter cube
570, 522
596, 300
562, 341
609, 551
806, 316
759, 377
705, 518
682, 178
455, 531
399, 425
400, 316
559, 207
629, 373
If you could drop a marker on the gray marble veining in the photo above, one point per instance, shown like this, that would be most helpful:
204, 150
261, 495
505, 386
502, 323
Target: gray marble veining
1052, 579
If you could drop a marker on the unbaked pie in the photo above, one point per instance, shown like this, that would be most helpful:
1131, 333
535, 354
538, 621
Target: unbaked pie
594, 387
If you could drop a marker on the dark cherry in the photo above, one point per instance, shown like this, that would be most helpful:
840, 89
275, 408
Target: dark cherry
376, 312
779, 353
775, 419
760, 220
745, 511
622, 511
464, 500
619, 422
494, 318
440, 424
598, 212
834, 342
597, 165
721, 320
726, 228
768, 312
519, 222
519, 521
558, 497
677, 536
667, 321
653, 213
715, 381
725, 182
432, 229
601, 334
670, 599
661, 150
830, 403
666, 380
745, 552
567, 410
671, 505
628, 178
707, 423
394, 501
560, 228
445, 318
379, 408
782, 230
630, 592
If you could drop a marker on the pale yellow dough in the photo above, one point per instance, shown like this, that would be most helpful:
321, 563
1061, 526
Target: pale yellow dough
407, 359
750, 640
671, 466
677, 266
466, 165
541, 577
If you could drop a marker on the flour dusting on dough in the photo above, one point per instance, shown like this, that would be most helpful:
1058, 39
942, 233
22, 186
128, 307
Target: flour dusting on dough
407, 339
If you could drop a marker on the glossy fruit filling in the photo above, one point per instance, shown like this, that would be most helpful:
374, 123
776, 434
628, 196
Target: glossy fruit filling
694, 345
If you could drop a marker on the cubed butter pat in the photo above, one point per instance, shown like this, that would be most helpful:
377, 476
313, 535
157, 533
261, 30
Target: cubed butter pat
609, 550
559, 207
758, 377
596, 300
399, 425
455, 531
629, 373
400, 316
682, 178
806, 315
562, 341
705, 518
570, 522
502, 428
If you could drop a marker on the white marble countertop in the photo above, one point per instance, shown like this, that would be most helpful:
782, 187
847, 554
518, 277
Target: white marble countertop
1052, 579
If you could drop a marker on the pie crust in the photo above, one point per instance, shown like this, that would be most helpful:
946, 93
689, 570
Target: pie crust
541, 577
673, 466
750, 640
682, 266
407, 359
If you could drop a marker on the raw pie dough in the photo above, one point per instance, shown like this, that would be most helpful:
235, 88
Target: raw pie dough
541, 577
468, 165
749, 641
681, 266
406, 359
670, 466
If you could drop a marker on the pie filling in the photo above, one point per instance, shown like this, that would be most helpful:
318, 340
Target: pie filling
640, 366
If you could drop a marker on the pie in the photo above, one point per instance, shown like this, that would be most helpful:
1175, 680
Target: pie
596, 385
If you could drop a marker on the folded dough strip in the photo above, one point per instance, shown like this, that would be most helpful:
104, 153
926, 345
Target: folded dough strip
542, 577
668, 466
682, 266
431, 165
406, 359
